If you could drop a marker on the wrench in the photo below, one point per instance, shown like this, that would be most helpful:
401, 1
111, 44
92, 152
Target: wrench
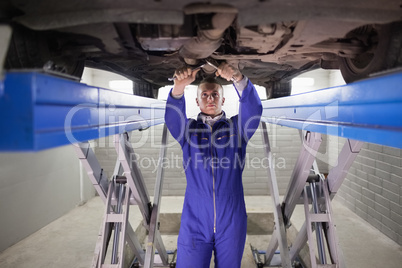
216, 68
195, 69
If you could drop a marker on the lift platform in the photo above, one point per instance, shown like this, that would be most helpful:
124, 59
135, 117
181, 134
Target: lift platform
43, 112
366, 111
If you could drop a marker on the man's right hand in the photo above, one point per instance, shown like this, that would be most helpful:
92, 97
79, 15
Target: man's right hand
184, 77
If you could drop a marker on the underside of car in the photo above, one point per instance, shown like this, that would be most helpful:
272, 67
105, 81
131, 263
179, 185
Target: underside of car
270, 41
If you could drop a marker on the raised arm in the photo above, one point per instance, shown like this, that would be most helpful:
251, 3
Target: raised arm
175, 113
250, 109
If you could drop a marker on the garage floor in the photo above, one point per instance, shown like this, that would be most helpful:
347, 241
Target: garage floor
70, 240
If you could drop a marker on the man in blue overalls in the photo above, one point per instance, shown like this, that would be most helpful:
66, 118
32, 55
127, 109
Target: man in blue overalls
214, 149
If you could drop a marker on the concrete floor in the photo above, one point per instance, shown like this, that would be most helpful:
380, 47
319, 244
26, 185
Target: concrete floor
70, 240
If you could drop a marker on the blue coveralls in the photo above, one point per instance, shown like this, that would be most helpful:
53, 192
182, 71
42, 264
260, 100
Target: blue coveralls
214, 214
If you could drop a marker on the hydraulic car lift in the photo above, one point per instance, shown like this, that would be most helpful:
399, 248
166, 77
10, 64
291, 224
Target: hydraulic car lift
43, 112
366, 111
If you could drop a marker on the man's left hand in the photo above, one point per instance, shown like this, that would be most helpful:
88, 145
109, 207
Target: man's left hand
228, 72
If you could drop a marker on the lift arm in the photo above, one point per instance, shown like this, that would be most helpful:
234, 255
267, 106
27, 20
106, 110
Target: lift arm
42, 111
368, 111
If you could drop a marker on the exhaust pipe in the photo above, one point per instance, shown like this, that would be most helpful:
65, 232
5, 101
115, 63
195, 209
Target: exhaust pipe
208, 41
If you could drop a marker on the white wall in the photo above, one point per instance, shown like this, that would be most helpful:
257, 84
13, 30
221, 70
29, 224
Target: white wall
36, 189
99, 78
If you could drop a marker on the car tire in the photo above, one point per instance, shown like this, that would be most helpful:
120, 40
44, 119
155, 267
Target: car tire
30, 50
278, 89
386, 52
144, 89
71, 67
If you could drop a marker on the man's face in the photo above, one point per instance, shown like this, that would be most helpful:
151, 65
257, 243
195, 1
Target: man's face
210, 99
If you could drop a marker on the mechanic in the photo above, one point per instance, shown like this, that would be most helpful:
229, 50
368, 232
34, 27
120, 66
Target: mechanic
214, 148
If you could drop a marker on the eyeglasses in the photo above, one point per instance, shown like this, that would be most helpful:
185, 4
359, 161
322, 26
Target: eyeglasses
205, 95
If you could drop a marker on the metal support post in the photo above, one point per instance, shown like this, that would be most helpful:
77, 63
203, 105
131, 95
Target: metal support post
280, 230
318, 225
312, 188
118, 225
131, 171
115, 217
321, 218
299, 243
346, 158
311, 143
154, 223
334, 180
330, 233
95, 172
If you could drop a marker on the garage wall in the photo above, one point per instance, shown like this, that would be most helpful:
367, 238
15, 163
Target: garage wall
373, 189
36, 189
373, 186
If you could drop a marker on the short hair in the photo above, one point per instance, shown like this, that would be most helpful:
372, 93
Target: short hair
211, 80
